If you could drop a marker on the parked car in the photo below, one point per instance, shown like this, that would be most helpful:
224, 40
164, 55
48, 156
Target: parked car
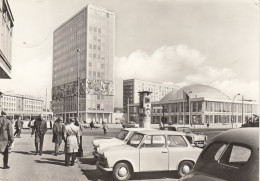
148, 151
120, 139
232, 155
199, 140
252, 122
130, 125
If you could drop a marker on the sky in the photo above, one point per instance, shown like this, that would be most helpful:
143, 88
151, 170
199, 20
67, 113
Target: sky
178, 42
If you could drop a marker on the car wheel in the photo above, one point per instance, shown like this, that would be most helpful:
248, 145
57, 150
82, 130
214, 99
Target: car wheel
122, 171
185, 167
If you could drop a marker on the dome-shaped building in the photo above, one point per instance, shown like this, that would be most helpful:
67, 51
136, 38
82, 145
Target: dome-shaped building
199, 104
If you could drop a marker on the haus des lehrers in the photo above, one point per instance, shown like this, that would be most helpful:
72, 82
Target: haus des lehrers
83, 51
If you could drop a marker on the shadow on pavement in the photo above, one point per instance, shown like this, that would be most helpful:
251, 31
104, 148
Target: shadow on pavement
51, 161
95, 175
25, 152
89, 161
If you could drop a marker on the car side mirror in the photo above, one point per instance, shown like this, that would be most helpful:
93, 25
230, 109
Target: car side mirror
193, 145
143, 145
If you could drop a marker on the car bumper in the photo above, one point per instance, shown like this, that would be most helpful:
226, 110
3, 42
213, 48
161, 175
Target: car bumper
99, 167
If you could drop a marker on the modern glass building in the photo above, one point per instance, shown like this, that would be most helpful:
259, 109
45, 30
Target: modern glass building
83, 48
6, 34
199, 104
131, 87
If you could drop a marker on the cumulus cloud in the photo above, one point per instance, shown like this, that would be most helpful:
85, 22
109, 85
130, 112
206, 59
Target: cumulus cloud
181, 65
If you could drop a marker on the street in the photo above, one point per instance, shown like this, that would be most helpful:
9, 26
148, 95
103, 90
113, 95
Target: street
27, 166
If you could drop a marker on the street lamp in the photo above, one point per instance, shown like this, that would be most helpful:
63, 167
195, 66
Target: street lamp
232, 119
78, 56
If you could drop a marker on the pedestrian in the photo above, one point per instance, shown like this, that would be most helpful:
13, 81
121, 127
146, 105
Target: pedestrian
6, 138
80, 151
18, 127
58, 131
39, 128
91, 124
207, 124
105, 128
72, 138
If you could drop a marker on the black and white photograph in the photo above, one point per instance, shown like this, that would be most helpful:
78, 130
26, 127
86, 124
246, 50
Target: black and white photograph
141, 90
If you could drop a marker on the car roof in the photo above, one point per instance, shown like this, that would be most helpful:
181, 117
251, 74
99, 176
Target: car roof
177, 126
249, 136
137, 129
160, 132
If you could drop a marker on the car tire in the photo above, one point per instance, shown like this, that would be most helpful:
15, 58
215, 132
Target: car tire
122, 171
185, 167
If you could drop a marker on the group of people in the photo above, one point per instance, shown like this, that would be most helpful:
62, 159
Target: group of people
70, 133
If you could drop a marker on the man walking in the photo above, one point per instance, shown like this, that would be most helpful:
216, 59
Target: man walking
6, 137
40, 128
18, 127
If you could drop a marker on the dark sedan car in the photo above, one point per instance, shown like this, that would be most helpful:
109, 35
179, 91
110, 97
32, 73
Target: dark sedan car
232, 155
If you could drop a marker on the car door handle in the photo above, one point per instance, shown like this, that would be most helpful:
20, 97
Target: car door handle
164, 151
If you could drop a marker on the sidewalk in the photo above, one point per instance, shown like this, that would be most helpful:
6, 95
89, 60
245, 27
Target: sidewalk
25, 166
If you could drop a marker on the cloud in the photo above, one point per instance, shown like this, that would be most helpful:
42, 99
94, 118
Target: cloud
181, 65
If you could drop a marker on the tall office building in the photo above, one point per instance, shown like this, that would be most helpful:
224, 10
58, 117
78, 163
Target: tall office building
6, 33
83, 50
131, 87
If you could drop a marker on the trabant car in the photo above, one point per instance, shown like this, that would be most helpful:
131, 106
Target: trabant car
148, 151
130, 125
199, 140
232, 155
121, 138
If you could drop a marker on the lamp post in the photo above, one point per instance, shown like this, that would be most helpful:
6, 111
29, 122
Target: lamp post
232, 119
78, 57
128, 109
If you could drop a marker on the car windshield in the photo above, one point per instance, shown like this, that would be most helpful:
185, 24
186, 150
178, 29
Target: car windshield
122, 134
184, 130
135, 140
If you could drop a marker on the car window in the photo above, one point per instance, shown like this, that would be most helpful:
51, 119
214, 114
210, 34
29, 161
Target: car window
214, 151
236, 155
122, 134
135, 139
176, 141
154, 141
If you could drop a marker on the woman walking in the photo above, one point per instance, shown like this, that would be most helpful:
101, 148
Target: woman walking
58, 131
72, 139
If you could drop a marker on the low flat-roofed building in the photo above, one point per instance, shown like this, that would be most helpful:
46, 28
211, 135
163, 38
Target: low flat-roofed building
207, 105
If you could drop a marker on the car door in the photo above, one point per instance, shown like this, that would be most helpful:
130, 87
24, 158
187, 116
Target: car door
178, 151
154, 154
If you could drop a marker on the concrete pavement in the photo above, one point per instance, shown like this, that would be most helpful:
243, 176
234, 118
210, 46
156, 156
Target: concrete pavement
25, 166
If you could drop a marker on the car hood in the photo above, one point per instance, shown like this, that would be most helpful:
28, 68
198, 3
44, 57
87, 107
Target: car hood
117, 148
105, 141
199, 176
197, 136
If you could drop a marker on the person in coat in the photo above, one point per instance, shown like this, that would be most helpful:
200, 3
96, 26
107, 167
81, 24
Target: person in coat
6, 138
58, 132
72, 140
18, 127
105, 127
39, 128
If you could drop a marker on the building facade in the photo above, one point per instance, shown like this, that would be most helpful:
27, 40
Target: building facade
204, 105
83, 51
25, 106
131, 88
6, 33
